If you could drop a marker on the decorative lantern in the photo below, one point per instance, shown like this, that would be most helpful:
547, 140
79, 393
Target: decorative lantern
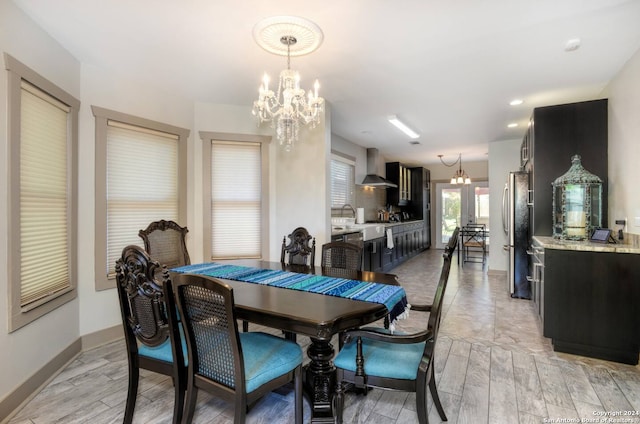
577, 203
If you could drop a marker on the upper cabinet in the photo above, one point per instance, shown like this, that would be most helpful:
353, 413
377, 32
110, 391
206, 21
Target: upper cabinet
401, 175
555, 134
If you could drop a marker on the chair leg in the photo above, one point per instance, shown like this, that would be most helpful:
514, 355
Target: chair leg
298, 394
190, 404
245, 326
178, 403
421, 402
338, 400
436, 398
240, 413
132, 392
290, 336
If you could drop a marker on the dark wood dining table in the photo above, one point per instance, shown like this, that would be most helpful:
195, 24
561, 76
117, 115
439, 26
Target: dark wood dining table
317, 316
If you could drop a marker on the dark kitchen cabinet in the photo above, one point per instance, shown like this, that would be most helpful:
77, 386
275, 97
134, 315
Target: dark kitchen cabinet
400, 175
590, 303
420, 206
373, 254
408, 241
555, 134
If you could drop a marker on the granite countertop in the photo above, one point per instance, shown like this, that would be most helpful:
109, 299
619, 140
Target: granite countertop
630, 244
356, 228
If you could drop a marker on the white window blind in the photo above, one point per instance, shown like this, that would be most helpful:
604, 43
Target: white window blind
342, 183
236, 200
44, 197
142, 184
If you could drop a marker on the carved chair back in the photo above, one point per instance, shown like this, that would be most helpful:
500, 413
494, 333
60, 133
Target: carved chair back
164, 241
301, 249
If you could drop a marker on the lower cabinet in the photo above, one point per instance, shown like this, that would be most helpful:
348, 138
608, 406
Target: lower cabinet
409, 239
591, 303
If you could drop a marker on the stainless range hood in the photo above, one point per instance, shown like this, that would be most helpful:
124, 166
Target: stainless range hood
373, 178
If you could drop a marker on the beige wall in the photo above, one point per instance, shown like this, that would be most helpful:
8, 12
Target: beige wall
31, 347
624, 145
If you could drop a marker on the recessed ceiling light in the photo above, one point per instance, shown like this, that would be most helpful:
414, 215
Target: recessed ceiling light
512, 125
516, 102
572, 45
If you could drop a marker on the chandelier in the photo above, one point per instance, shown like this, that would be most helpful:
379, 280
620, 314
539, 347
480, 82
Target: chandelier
288, 107
460, 177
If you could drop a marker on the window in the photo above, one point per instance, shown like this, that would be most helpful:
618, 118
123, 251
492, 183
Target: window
43, 131
235, 196
342, 181
140, 178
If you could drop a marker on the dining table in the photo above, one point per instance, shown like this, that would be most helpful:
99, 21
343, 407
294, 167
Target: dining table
318, 316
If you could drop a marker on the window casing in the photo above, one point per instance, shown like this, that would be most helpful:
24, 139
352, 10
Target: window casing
343, 185
236, 195
43, 132
140, 178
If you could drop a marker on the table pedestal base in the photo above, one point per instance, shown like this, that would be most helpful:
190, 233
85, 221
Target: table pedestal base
320, 381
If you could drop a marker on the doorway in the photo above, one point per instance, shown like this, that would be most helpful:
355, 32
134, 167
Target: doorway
458, 205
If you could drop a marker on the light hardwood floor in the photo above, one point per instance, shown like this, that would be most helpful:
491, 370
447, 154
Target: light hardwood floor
492, 366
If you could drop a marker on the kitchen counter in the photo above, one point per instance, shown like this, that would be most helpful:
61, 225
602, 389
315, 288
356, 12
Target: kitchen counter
630, 244
589, 295
356, 228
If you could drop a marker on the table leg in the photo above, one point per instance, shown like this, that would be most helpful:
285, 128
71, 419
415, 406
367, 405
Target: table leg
320, 380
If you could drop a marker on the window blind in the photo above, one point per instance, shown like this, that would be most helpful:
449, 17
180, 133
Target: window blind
142, 184
236, 200
342, 183
44, 197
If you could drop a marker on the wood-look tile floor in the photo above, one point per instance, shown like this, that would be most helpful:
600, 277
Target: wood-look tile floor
492, 366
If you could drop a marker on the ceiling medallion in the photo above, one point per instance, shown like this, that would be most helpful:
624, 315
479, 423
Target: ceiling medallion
288, 107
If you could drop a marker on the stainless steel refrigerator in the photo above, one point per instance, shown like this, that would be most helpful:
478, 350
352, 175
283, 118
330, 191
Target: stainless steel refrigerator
515, 219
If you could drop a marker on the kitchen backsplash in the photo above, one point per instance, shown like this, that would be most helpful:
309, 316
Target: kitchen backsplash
371, 199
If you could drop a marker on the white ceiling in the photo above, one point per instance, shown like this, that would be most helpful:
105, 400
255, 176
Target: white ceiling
448, 68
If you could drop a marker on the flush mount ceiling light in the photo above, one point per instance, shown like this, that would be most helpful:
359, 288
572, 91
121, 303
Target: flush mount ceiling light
287, 108
460, 177
402, 126
572, 45
512, 125
516, 102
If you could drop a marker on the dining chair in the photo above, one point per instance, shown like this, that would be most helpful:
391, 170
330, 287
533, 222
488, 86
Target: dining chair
164, 241
238, 367
474, 243
301, 249
150, 338
340, 254
374, 357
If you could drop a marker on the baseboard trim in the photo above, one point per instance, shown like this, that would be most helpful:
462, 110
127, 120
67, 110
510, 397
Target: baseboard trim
14, 401
102, 337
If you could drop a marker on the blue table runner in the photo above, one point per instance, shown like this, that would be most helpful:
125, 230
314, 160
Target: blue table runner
393, 297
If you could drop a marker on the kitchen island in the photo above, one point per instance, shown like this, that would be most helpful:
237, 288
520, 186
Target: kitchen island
381, 254
591, 296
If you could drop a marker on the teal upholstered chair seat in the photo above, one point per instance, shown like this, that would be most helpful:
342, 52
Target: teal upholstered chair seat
266, 357
163, 352
383, 359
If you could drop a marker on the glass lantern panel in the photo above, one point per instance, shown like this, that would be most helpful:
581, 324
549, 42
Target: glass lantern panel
576, 216
596, 206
